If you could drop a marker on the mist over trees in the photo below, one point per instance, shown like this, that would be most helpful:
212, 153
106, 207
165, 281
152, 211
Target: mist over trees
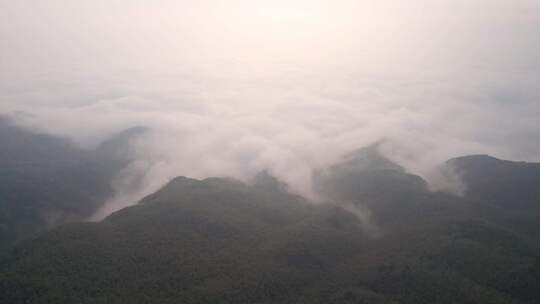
46, 181
220, 240
270, 151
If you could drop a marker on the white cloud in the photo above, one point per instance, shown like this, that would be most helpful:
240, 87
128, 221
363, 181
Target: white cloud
229, 89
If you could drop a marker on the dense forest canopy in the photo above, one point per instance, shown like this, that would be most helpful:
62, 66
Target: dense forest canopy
377, 235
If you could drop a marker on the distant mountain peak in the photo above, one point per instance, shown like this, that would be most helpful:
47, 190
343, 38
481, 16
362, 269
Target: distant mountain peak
264, 180
475, 158
120, 142
367, 176
367, 159
504, 183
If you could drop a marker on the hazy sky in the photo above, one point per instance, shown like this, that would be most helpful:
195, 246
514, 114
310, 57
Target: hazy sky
231, 87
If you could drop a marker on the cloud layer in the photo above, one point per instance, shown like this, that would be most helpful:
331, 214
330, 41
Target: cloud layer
230, 88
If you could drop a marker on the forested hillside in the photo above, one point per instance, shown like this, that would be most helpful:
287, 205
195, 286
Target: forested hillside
46, 181
381, 237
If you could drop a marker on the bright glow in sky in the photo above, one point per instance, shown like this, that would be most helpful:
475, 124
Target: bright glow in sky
376, 35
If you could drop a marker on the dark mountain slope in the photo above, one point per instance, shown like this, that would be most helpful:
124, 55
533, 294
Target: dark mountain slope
367, 178
46, 181
193, 241
511, 187
221, 241
506, 184
470, 237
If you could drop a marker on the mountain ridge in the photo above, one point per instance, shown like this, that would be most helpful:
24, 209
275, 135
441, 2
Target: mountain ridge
220, 240
379, 236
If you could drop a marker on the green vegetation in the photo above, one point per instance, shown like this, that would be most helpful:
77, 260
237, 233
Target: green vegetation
223, 241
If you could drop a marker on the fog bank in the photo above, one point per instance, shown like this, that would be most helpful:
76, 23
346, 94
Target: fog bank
232, 88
